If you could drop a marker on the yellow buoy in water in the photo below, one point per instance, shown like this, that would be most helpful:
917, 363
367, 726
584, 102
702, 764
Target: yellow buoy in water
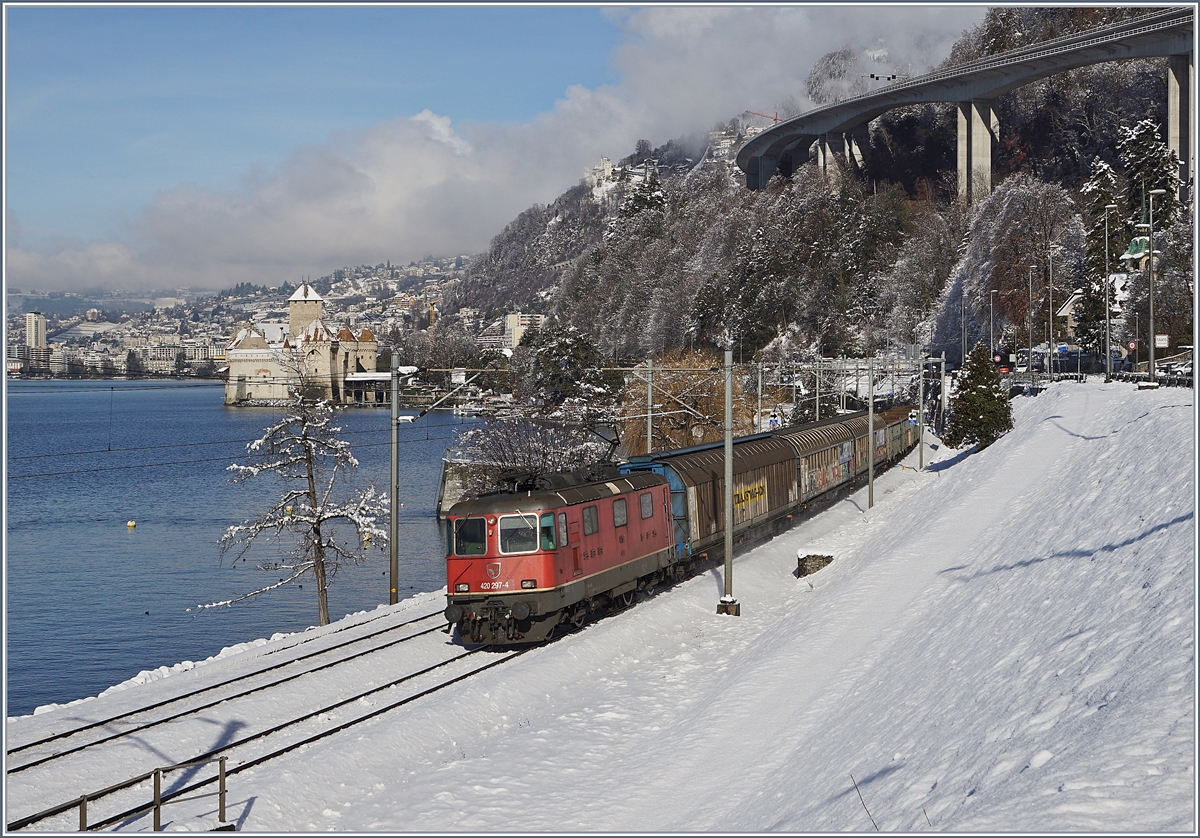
131, 524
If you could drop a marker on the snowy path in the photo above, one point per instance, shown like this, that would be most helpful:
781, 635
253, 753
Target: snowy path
1004, 643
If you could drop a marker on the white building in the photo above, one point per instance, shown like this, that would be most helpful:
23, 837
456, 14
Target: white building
515, 326
35, 330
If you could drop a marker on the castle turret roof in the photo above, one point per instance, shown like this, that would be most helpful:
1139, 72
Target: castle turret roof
306, 294
315, 332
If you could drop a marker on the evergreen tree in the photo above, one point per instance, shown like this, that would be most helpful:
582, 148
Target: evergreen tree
979, 410
1102, 189
1149, 164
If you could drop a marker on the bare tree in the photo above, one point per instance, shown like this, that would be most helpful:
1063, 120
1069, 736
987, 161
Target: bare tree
504, 449
318, 523
689, 403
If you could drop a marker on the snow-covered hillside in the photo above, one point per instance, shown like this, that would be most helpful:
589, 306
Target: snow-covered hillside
1004, 643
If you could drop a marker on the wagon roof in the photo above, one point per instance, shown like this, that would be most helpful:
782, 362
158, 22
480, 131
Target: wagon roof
821, 436
701, 464
509, 502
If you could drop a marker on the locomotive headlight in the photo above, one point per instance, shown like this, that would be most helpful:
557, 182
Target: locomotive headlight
529, 583
461, 587
520, 610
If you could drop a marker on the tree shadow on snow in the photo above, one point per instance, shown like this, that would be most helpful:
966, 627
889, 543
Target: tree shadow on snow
1075, 554
942, 465
866, 781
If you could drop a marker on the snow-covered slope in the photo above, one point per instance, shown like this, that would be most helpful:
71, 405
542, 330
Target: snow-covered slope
1005, 642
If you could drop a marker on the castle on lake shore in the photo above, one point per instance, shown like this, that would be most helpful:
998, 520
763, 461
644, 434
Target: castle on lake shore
267, 359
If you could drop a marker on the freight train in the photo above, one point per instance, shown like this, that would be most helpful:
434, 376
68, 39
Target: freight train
523, 562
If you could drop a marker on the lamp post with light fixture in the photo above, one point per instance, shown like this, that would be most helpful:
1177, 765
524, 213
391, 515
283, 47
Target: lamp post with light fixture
1107, 292
1152, 338
992, 322
1029, 319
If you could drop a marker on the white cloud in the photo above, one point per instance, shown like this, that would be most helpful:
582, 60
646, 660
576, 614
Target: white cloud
428, 185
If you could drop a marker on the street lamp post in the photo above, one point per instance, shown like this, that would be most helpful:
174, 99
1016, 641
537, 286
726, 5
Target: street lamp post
1029, 322
1107, 292
992, 321
1050, 325
1152, 339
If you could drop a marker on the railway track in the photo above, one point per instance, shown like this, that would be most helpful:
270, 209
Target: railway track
250, 719
91, 733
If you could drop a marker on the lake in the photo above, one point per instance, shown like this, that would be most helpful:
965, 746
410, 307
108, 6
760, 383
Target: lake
91, 602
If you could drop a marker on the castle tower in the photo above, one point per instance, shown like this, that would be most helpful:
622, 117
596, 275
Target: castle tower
304, 307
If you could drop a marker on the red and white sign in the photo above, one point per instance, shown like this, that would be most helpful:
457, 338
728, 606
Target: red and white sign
1133, 344
1162, 341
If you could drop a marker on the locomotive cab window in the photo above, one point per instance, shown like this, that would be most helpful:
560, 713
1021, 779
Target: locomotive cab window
591, 520
470, 537
620, 514
548, 531
518, 533
647, 501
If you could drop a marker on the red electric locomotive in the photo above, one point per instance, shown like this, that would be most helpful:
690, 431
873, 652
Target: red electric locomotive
519, 563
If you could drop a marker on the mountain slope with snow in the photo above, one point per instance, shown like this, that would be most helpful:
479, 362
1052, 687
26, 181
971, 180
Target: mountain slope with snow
1004, 642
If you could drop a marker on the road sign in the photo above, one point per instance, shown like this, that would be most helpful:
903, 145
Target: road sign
1162, 341
996, 358
1132, 345
1062, 347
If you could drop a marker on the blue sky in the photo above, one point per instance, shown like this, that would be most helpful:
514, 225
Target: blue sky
167, 147
108, 105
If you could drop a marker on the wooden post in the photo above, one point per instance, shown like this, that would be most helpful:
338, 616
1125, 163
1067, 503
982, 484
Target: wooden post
83, 813
158, 800
221, 798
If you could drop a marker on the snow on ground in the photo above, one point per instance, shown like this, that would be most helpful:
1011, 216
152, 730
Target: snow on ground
1004, 642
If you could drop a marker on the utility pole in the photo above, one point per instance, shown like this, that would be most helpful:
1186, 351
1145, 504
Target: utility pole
1050, 328
871, 437
649, 405
758, 417
1029, 323
817, 407
729, 605
1107, 291
962, 316
992, 321
921, 417
1152, 337
394, 483
945, 389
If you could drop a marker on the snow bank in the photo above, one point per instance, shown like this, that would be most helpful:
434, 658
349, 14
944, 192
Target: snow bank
1005, 642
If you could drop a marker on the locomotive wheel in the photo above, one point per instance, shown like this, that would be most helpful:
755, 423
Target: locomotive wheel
577, 616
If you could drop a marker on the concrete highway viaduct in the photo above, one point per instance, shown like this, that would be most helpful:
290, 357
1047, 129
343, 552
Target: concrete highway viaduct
840, 130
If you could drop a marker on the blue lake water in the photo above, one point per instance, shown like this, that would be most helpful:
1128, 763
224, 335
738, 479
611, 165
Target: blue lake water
91, 602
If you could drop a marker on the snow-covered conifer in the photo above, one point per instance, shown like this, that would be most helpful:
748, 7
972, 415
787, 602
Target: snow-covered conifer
980, 410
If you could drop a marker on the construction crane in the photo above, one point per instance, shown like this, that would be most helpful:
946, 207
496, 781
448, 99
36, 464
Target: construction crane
765, 116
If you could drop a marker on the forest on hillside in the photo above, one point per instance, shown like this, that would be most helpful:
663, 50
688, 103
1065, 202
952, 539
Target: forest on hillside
857, 265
